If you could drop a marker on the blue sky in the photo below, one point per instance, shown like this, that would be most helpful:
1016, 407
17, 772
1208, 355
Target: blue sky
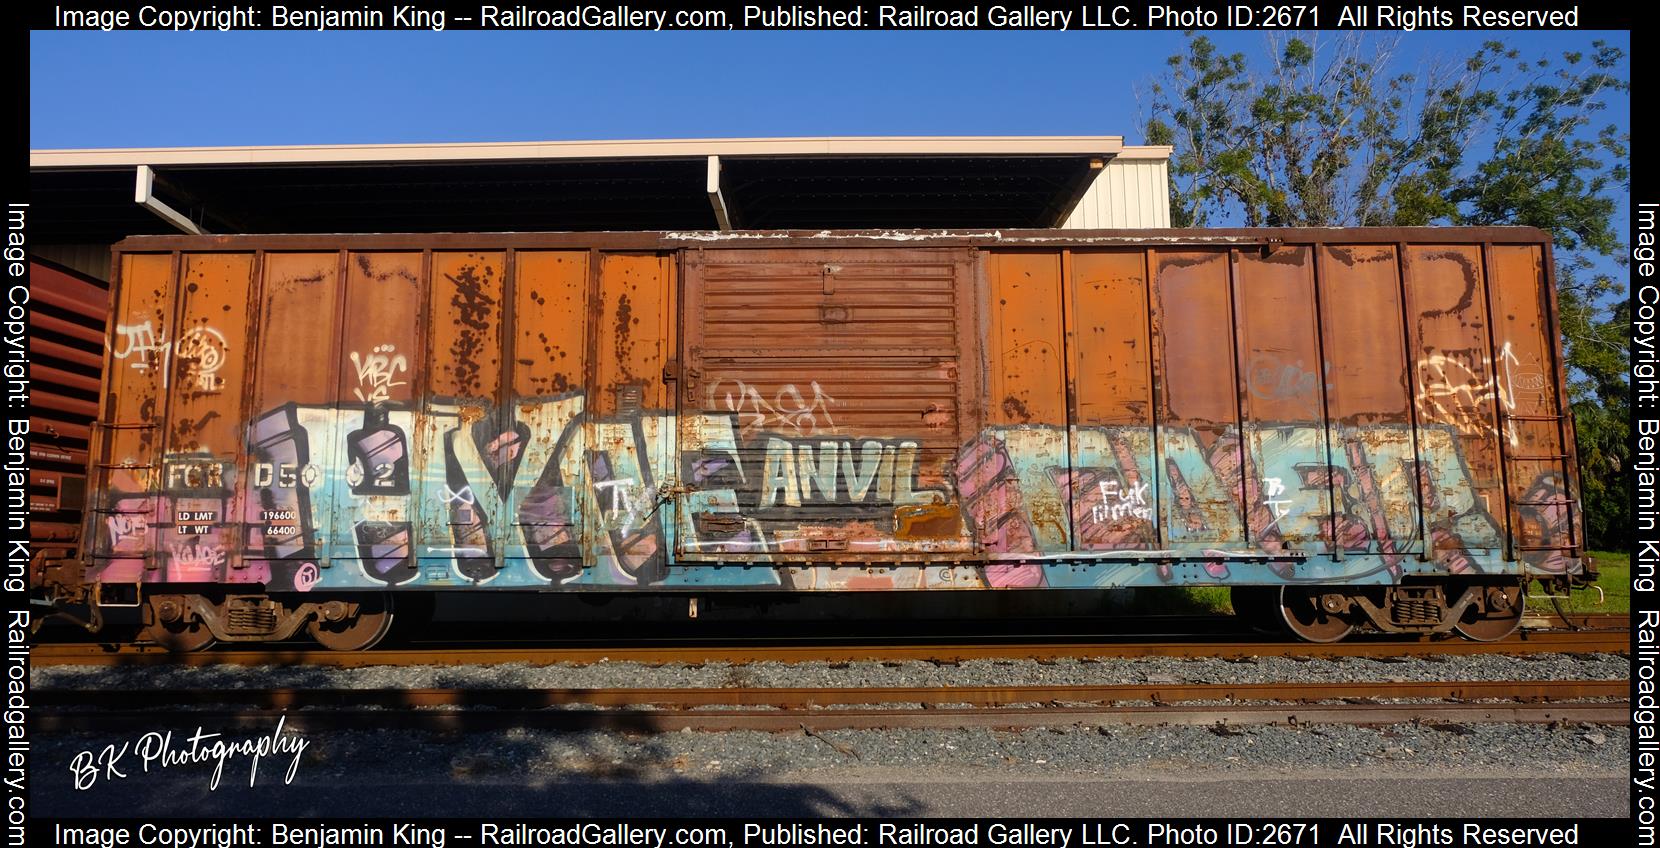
158, 89
144, 89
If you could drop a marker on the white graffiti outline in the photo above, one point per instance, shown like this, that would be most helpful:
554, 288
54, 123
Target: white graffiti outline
625, 503
197, 556
1530, 384
123, 526
1273, 487
375, 372
1449, 389
1119, 502
787, 409
142, 339
203, 351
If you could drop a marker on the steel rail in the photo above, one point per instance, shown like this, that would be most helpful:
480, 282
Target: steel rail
1584, 641
804, 698
810, 719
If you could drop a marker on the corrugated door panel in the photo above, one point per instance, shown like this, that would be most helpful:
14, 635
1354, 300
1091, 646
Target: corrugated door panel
291, 422
1287, 499
1457, 437
821, 401
1198, 402
204, 454
127, 513
628, 440
1111, 482
550, 292
1372, 441
1544, 514
373, 489
456, 442
842, 303
1026, 407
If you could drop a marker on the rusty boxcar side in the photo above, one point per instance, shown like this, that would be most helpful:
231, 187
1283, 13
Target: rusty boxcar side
832, 410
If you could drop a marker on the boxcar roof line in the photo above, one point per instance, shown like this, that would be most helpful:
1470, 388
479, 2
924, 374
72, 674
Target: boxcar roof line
787, 238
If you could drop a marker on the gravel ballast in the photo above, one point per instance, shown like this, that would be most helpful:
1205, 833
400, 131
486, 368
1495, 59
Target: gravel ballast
849, 675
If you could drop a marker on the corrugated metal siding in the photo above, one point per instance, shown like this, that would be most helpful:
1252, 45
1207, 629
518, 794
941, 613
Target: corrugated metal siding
66, 335
1128, 193
92, 260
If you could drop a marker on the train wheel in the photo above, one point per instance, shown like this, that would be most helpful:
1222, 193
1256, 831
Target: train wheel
1315, 614
1495, 619
1258, 607
173, 627
338, 630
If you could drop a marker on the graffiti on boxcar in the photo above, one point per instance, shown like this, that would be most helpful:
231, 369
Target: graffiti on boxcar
638, 548
1278, 507
994, 503
196, 563
788, 408
1119, 500
1524, 387
377, 456
144, 346
1111, 509
797, 472
1453, 388
123, 527
550, 494
200, 353
1270, 379
377, 373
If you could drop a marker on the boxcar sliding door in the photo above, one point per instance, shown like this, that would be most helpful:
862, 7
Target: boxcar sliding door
822, 404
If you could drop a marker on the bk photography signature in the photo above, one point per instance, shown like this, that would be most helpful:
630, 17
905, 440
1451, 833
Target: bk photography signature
157, 750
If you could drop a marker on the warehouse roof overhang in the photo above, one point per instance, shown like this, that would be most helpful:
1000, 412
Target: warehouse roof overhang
103, 195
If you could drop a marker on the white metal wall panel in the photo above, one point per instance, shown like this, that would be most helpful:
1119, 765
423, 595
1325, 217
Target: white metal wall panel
1127, 194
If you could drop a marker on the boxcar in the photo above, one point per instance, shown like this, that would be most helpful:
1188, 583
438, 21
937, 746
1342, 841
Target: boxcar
1354, 427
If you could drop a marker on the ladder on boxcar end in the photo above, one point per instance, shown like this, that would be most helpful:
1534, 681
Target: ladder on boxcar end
1566, 500
101, 487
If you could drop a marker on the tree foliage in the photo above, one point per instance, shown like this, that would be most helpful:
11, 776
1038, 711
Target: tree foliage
1331, 133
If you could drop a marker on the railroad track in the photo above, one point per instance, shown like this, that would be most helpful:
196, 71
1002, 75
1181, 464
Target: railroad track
826, 650
1549, 620
776, 709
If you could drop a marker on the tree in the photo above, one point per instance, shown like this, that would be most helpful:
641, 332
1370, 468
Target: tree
1326, 134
